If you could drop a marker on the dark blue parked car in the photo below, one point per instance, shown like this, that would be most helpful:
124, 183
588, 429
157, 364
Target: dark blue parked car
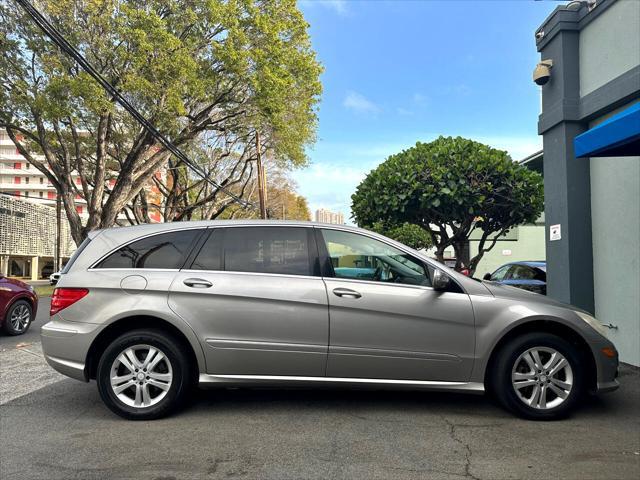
530, 276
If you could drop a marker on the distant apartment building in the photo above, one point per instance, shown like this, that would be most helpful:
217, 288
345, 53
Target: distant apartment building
326, 216
22, 180
28, 213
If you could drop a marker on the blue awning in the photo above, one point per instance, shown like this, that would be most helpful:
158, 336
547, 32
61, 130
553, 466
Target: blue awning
618, 136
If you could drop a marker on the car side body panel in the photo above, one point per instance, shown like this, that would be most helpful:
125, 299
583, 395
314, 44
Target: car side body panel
256, 324
399, 331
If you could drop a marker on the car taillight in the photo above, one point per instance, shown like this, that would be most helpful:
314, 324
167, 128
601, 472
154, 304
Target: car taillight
65, 297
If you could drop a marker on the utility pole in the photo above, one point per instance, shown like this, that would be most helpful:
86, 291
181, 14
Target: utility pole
262, 180
56, 260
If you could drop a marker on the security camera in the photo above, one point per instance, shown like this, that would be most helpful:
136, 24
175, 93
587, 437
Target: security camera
542, 72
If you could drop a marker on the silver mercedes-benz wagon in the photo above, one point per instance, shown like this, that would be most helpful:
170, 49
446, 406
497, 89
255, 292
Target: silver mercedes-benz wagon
151, 310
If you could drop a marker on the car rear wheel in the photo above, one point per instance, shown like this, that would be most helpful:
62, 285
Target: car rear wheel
143, 375
539, 376
19, 318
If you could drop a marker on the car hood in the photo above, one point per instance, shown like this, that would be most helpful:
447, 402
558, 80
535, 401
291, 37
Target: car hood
14, 281
513, 293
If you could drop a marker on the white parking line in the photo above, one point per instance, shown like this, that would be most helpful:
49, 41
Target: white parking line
23, 370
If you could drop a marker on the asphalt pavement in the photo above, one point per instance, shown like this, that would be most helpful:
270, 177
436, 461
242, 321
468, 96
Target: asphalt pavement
62, 431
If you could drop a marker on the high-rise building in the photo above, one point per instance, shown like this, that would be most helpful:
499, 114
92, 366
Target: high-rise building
326, 216
22, 180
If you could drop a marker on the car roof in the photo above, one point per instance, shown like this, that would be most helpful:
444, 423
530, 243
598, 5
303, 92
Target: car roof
533, 263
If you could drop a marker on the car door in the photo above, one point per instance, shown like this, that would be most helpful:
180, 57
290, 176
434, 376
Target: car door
386, 322
254, 296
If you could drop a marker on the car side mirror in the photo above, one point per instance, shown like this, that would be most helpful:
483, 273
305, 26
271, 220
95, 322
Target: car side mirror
487, 276
441, 281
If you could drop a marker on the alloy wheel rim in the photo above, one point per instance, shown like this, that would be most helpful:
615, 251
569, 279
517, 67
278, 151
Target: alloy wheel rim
141, 376
542, 378
20, 318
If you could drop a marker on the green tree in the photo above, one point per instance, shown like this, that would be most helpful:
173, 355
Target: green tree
450, 187
227, 68
409, 234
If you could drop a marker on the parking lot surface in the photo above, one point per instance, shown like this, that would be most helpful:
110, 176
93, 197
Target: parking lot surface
63, 431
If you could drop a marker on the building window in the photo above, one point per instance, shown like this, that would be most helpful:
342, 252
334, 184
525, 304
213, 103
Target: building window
16, 180
26, 194
79, 209
17, 166
41, 180
51, 195
26, 180
41, 194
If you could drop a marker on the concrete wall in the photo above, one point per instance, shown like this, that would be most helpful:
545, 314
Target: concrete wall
529, 246
609, 45
615, 221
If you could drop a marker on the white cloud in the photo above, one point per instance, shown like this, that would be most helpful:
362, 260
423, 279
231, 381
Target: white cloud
331, 184
359, 103
420, 99
459, 90
517, 147
338, 6
403, 111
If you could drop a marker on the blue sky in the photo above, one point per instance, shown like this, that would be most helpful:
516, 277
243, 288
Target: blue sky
402, 71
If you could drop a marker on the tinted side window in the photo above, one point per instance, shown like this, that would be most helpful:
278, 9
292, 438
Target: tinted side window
166, 250
282, 250
499, 274
522, 272
210, 255
363, 258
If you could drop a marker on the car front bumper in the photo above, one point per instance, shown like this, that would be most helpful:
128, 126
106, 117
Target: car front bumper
608, 368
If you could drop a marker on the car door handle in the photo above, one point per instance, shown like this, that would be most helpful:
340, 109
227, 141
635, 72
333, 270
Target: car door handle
197, 283
346, 292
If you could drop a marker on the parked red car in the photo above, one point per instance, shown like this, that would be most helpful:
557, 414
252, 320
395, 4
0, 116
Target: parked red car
18, 305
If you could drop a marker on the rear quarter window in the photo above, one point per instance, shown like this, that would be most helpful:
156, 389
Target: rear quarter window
161, 251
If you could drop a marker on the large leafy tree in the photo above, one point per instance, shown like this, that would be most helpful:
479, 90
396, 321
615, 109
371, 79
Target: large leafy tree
410, 234
227, 69
450, 187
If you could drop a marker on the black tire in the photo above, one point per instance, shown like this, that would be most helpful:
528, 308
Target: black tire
501, 376
8, 327
180, 369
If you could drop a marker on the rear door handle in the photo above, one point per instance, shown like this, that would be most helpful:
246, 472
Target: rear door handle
346, 292
197, 283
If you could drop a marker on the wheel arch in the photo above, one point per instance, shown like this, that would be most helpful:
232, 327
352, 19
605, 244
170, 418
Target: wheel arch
126, 324
547, 326
20, 296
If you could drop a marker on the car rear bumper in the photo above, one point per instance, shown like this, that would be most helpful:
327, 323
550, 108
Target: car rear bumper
66, 344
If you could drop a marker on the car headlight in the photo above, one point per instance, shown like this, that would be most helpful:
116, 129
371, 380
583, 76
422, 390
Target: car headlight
593, 322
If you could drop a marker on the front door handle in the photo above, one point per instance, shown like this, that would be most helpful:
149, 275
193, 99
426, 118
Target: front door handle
346, 292
197, 283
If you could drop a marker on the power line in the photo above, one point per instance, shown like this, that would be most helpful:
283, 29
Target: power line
67, 48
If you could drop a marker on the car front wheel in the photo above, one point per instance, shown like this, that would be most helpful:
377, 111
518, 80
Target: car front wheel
539, 376
143, 375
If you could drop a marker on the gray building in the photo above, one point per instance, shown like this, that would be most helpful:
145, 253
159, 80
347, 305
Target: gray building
28, 238
590, 123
